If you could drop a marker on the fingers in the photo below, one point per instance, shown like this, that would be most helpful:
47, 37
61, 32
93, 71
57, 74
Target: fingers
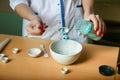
99, 25
36, 29
44, 25
94, 20
33, 30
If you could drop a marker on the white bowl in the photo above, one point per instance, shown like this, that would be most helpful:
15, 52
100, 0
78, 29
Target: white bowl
34, 52
65, 51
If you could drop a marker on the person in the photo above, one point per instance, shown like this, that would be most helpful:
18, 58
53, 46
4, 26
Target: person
43, 18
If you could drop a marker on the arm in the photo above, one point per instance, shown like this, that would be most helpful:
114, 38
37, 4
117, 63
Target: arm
26, 12
99, 25
88, 6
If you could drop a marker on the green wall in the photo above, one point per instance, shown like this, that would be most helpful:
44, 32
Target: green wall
10, 23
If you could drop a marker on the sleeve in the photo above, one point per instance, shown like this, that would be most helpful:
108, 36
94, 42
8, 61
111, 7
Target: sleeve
14, 3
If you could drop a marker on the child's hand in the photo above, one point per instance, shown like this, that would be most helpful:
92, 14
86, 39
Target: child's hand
36, 27
99, 25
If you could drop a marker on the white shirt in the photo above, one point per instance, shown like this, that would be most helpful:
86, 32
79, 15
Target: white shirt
49, 12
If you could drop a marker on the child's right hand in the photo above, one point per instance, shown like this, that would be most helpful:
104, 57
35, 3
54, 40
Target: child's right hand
36, 27
99, 25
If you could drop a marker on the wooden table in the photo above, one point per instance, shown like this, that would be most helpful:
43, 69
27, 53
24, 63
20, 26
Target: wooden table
23, 67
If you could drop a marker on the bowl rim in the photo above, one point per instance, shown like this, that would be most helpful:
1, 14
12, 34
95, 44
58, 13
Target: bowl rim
34, 54
65, 54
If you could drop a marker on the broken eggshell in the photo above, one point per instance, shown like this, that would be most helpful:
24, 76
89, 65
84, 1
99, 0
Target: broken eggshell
15, 50
5, 59
64, 70
1, 55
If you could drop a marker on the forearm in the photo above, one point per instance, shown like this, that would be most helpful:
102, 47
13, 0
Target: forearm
99, 25
88, 7
25, 12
